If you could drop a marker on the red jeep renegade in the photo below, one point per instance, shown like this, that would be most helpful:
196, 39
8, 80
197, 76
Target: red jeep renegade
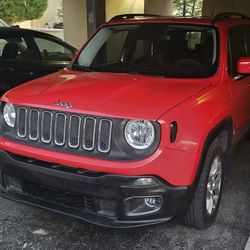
138, 129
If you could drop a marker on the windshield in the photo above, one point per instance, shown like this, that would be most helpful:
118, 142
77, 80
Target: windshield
180, 51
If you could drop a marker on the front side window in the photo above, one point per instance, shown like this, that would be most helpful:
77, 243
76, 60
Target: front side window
52, 50
14, 48
237, 40
178, 51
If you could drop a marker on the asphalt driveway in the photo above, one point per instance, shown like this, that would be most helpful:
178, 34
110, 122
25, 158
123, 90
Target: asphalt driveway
23, 227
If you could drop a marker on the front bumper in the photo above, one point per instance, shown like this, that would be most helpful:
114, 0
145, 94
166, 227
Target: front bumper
92, 196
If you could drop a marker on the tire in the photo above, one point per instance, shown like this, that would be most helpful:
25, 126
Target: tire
203, 209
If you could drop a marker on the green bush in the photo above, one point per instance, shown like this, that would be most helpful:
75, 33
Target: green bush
12, 11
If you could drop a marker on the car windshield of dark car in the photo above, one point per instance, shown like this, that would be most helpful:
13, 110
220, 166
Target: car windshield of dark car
170, 50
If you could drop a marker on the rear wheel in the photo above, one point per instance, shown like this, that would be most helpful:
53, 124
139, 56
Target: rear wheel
204, 206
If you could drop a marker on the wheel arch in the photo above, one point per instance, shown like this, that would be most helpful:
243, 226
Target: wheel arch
222, 132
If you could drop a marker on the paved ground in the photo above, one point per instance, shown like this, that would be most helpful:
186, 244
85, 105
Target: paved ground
23, 227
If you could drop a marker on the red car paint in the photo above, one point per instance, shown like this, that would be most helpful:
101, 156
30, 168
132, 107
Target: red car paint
198, 105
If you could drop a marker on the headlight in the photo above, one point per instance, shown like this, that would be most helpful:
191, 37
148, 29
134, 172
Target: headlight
139, 134
9, 114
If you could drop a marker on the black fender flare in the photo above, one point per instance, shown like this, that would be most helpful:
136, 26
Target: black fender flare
226, 125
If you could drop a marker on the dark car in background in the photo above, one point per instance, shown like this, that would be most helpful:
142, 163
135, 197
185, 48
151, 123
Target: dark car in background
29, 54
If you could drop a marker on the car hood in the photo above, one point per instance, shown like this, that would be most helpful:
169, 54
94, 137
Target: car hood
107, 94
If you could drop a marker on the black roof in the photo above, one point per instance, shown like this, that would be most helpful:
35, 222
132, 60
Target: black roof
9, 31
17, 30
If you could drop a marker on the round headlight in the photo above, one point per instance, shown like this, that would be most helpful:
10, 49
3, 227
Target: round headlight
139, 134
9, 114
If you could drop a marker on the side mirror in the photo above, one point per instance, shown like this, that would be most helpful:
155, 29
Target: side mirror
243, 66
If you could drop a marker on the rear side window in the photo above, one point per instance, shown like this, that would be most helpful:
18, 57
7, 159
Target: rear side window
239, 46
14, 48
53, 51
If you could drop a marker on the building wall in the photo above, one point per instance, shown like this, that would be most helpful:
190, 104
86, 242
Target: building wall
159, 7
75, 14
242, 6
213, 7
116, 7
75, 22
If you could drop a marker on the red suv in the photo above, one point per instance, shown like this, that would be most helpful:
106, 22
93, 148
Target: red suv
138, 129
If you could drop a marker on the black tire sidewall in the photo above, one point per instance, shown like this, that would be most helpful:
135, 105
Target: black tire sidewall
214, 151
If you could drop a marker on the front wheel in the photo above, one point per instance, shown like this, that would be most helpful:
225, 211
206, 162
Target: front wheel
204, 206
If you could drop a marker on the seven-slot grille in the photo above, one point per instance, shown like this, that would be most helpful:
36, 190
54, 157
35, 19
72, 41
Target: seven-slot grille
63, 129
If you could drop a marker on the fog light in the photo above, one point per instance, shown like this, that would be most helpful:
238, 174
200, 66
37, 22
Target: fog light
14, 183
137, 206
152, 201
147, 181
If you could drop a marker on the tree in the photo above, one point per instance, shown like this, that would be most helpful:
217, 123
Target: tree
188, 7
12, 11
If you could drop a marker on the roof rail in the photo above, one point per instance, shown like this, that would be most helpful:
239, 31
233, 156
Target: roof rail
131, 16
226, 15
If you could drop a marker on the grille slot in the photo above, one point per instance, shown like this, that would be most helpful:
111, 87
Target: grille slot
34, 124
74, 131
22, 122
46, 133
89, 128
104, 136
60, 129
64, 130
